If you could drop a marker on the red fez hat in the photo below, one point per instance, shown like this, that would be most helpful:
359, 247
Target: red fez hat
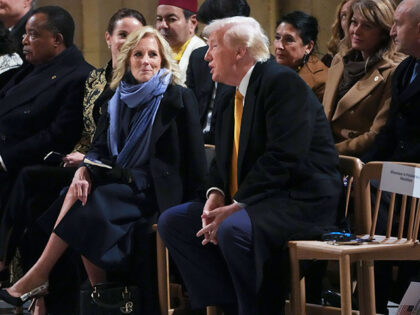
190, 5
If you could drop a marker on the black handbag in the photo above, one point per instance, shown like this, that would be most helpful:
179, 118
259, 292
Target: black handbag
109, 299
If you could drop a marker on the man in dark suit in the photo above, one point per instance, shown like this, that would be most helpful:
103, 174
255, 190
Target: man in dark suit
398, 140
41, 106
275, 177
208, 92
14, 14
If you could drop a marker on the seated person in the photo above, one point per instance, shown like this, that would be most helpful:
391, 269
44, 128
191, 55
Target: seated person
294, 47
339, 30
155, 142
41, 106
36, 187
199, 80
398, 140
10, 61
275, 177
358, 90
14, 14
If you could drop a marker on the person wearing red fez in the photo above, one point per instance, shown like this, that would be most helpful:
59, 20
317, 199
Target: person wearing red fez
176, 20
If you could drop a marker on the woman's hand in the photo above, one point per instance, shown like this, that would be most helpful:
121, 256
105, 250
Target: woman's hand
81, 184
73, 159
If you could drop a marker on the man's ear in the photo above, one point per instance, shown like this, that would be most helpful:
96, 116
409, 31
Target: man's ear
192, 22
59, 40
240, 52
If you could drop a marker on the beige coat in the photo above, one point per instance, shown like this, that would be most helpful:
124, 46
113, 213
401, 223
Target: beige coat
315, 74
362, 111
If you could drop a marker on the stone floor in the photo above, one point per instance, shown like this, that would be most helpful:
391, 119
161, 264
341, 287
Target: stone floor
6, 309
9, 310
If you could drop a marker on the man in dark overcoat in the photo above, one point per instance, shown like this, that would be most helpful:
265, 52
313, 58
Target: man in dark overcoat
41, 106
399, 139
275, 177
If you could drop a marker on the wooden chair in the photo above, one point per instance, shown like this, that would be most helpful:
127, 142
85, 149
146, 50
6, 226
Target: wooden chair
163, 260
402, 245
350, 169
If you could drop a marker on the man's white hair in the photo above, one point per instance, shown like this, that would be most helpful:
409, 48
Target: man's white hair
242, 31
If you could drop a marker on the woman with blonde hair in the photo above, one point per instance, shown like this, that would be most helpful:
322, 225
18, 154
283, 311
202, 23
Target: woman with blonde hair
358, 90
339, 31
150, 157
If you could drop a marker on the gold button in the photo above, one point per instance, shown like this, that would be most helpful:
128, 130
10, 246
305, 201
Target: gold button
54, 77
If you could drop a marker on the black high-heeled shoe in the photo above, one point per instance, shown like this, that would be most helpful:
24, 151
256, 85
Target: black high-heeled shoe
19, 301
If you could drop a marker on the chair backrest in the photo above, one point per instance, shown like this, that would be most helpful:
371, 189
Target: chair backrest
396, 178
350, 169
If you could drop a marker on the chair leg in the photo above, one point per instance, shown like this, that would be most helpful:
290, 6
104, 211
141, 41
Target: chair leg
361, 288
345, 285
163, 275
369, 275
297, 301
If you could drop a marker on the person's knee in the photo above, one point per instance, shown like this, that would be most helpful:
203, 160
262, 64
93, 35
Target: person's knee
29, 173
165, 222
169, 221
231, 235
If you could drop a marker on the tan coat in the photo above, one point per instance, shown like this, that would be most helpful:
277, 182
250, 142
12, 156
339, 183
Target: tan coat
362, 111
315, 74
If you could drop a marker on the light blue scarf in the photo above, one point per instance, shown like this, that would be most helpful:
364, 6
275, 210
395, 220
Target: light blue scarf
135, 149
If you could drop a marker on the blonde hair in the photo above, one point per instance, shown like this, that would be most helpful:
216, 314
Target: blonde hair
242, 31
336, 30
380, 13
123, 60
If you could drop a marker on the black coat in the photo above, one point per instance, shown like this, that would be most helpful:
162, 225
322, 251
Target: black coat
177, 161
398, 140
287, 161
200, 81
41, 109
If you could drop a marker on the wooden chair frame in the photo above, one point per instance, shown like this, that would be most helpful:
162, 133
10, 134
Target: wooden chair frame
387, 247
162, 261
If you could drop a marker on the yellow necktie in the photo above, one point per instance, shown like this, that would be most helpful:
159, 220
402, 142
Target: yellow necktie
237, 130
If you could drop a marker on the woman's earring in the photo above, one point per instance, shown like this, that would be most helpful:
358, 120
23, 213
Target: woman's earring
109, 46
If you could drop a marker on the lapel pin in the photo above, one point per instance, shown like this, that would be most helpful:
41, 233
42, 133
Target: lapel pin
376, 78
53, 77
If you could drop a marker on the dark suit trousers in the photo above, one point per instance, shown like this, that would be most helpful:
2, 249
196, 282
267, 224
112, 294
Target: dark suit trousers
34, 190
221, 275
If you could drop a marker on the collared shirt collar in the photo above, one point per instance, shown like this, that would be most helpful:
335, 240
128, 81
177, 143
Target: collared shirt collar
243, 86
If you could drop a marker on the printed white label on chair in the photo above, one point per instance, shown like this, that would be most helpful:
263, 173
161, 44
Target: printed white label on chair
400, 179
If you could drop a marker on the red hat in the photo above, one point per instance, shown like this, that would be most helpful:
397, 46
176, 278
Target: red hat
190, 5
